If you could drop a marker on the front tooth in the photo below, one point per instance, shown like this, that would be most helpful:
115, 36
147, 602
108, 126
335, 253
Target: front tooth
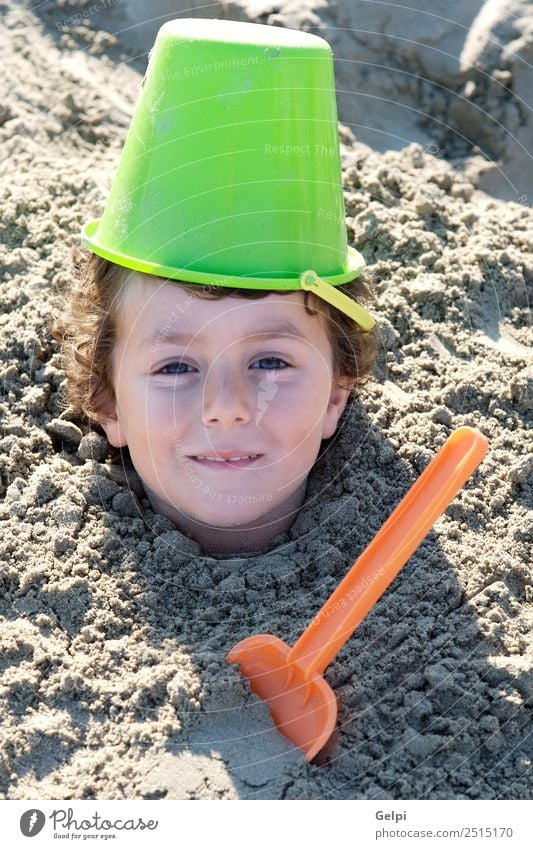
230, 459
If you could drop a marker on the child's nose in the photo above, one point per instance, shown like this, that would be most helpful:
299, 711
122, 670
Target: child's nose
227, 398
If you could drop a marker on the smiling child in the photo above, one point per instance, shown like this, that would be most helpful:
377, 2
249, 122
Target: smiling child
215, 326
178, 371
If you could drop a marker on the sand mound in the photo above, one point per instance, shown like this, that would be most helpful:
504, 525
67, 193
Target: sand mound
114, 627
454, 77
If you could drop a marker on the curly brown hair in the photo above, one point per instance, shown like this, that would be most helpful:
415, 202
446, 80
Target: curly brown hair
85, 329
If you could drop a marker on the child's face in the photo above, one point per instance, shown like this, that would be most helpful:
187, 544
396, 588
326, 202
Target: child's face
237, 390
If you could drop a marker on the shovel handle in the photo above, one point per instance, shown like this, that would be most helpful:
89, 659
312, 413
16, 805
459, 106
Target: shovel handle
390, 549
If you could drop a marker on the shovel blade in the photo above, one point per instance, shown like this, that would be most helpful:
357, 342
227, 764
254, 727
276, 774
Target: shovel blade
304, 711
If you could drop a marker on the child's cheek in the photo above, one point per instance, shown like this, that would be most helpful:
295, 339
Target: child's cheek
313, 388
308, 408
159, 408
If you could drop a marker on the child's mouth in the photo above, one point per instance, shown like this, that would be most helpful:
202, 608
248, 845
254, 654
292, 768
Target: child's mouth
225, 464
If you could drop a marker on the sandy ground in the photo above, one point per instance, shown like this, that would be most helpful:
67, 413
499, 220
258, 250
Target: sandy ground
114, 627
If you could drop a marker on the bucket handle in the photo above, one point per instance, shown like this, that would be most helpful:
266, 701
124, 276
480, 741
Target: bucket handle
311, 282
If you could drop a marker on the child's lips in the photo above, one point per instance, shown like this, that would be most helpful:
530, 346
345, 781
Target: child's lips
227, 464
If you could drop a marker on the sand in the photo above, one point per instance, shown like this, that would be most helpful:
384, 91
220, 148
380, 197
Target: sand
114, 626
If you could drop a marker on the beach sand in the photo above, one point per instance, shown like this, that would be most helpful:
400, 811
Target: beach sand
114, 627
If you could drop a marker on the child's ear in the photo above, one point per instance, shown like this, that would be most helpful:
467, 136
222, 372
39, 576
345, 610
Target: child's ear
337, 402
110, 422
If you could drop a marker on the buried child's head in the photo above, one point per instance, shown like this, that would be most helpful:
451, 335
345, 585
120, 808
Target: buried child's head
207, 330
192, 377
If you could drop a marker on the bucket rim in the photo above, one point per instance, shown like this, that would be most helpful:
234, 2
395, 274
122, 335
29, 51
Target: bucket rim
355, 261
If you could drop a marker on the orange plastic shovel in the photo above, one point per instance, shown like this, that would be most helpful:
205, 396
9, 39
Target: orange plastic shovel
302, 704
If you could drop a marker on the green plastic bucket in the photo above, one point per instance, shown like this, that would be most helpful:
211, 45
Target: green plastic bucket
230, 173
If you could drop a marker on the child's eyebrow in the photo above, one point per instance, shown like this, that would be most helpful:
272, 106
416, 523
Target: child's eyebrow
182, 337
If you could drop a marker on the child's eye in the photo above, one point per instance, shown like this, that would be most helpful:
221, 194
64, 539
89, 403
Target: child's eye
273, 359
178, 364
170, 365
172, 368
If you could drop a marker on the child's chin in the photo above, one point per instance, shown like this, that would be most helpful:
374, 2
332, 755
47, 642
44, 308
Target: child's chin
229, 511
235, 516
